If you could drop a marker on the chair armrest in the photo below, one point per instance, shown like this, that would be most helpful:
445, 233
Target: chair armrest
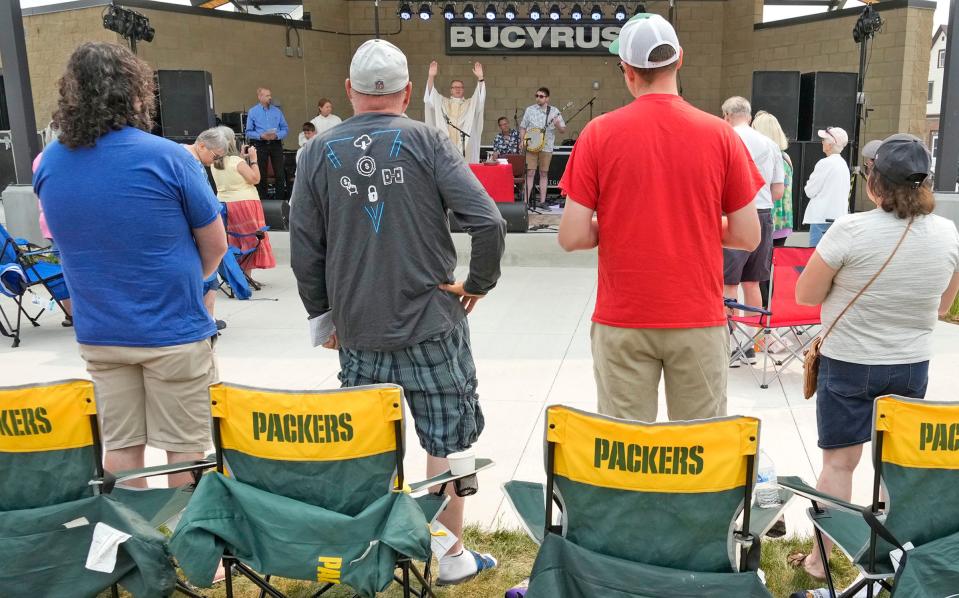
528, 500
447, 477
136, 474
801, 488
733, 304
761, 520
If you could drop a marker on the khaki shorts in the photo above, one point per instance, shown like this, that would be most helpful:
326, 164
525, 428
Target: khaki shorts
541, 160
628, 362
153, 395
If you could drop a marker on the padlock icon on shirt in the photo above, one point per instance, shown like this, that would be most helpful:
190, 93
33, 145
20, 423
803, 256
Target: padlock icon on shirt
371, 194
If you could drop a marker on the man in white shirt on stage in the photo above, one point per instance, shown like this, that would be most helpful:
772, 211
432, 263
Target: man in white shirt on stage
465, 113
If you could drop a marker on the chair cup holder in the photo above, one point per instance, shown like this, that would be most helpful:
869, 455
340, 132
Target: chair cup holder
467, 486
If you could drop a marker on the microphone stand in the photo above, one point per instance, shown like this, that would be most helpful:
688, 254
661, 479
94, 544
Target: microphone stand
583, 107
463, 134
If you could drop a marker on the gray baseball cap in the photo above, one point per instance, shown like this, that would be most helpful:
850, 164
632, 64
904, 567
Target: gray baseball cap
378, 68
869, 150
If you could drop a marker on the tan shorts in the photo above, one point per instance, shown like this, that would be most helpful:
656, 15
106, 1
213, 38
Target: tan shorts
627, 363
153, 395
540, 160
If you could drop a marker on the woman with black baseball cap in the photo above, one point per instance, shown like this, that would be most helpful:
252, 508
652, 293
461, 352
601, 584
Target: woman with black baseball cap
877, 328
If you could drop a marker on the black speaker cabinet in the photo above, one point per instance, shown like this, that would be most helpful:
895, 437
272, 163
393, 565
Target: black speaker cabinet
517, 220
777, 92
234, 120
827, 100
184, 103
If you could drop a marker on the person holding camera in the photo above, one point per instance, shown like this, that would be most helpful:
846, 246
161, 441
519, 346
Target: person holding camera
235, 174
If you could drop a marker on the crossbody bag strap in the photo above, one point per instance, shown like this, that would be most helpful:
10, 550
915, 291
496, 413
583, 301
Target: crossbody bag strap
871, 280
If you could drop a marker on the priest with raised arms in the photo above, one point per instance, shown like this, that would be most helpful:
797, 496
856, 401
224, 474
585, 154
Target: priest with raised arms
465, 113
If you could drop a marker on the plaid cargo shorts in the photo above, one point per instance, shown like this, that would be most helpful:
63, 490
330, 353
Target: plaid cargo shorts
438, 377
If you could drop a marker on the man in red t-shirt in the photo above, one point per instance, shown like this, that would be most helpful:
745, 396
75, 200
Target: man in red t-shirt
670, 186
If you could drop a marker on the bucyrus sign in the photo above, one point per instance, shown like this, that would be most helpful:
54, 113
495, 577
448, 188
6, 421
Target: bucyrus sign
530, 37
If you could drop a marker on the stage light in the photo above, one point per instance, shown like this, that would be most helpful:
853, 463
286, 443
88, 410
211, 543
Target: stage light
490, 12
640, 9
468, 12
596, 14
448, 12
129, 24
554, 12
405, 12
620, 13
426, 11
510, 13
534, 13
577, 12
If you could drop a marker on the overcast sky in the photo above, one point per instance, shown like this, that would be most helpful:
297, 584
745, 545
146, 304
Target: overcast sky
771, 13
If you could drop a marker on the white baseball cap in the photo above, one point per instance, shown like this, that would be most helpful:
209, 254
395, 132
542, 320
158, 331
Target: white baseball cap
378, 68
640, 35
834, 135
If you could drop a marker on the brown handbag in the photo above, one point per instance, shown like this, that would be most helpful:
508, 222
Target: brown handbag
811, 355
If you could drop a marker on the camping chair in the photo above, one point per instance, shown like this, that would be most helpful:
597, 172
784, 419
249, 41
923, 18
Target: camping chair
242, 256
24, 266
915, 446
310, 485
55, 498
645, 509
783, 320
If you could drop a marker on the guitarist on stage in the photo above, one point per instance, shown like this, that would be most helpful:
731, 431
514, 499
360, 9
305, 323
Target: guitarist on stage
537, 131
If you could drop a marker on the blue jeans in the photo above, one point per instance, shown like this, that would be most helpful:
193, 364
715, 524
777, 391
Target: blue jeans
846, 391
816, 231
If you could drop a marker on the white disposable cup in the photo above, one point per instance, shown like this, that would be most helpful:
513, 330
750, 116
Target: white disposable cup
462, 463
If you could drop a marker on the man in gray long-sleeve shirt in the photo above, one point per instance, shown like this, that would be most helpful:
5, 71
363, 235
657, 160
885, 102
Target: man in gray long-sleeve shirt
370, 242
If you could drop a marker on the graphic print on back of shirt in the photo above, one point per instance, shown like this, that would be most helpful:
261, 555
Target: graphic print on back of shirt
359, 152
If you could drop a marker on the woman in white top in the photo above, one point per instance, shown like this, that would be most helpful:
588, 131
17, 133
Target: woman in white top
325, 119
828, 185
882, 345
235, 175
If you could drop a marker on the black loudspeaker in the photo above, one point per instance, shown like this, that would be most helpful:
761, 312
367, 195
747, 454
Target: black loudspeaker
777, 92
827, 100
184, 103
514, 213
276, 213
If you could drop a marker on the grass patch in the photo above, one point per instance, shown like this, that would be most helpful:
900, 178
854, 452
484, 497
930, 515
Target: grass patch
516, 553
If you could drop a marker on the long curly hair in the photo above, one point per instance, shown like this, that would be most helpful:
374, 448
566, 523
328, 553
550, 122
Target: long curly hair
104, 88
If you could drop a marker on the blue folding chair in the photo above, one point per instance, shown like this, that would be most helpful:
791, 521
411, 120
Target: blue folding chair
233, 280
24, 265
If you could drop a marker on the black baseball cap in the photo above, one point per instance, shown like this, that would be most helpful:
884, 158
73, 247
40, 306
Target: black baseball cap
903, 159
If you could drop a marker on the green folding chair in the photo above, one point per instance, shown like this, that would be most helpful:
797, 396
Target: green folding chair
55, 498
644, 509
310, 486
916, 460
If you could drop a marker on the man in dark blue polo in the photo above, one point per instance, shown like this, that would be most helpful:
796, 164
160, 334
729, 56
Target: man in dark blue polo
266, 128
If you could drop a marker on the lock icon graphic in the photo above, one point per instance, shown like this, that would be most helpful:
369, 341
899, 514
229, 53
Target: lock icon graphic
371, 194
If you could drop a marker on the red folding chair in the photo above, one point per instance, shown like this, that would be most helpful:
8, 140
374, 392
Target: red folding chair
783, 322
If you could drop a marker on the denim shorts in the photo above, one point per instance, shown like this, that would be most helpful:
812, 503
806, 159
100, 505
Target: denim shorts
845, 393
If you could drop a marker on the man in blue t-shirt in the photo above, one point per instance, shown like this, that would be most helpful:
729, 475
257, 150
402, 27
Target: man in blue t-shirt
138, 230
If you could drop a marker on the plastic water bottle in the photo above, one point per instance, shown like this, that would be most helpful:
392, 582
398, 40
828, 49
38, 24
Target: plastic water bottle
767, 491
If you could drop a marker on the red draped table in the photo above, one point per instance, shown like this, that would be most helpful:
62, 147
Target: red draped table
497, 179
